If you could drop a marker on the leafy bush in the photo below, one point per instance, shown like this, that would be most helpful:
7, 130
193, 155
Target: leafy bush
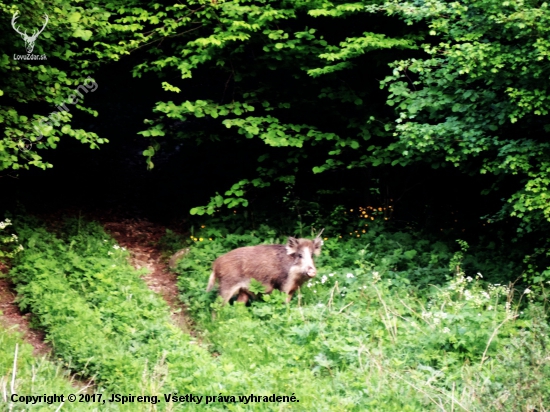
9, 245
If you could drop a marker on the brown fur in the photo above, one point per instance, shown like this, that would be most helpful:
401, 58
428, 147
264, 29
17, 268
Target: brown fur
275, 266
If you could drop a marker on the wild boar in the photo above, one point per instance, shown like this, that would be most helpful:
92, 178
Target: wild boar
282, 267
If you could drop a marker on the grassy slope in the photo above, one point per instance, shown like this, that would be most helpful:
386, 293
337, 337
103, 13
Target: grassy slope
361, 339
384, 327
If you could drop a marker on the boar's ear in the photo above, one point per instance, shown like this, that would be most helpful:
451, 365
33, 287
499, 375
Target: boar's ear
317, 243
292, 246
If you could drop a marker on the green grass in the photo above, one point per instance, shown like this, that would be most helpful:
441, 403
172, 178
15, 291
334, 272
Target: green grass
30, 375
385, 326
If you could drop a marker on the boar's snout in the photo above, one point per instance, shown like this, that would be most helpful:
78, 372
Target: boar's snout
311, 272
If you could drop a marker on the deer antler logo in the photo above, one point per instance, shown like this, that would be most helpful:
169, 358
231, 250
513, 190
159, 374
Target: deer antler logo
29, 40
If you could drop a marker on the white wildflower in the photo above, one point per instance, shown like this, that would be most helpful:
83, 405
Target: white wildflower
527, 291
116, 247
331, 274
446, 330
350, 275
4, 224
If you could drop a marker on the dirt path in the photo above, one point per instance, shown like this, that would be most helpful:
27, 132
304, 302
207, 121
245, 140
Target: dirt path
141, 237
13, 319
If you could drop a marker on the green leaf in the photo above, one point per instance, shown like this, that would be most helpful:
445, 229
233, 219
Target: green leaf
83, 34
74, 17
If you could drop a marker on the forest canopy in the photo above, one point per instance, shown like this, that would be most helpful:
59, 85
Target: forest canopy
307, 99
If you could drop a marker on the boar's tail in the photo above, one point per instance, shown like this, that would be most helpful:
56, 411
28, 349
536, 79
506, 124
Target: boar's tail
211, 282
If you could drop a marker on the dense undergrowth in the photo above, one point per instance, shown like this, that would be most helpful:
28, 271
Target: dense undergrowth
391, 322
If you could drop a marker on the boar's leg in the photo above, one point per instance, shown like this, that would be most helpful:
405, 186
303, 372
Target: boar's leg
291, 286
289, 297
243, 297
227, 291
